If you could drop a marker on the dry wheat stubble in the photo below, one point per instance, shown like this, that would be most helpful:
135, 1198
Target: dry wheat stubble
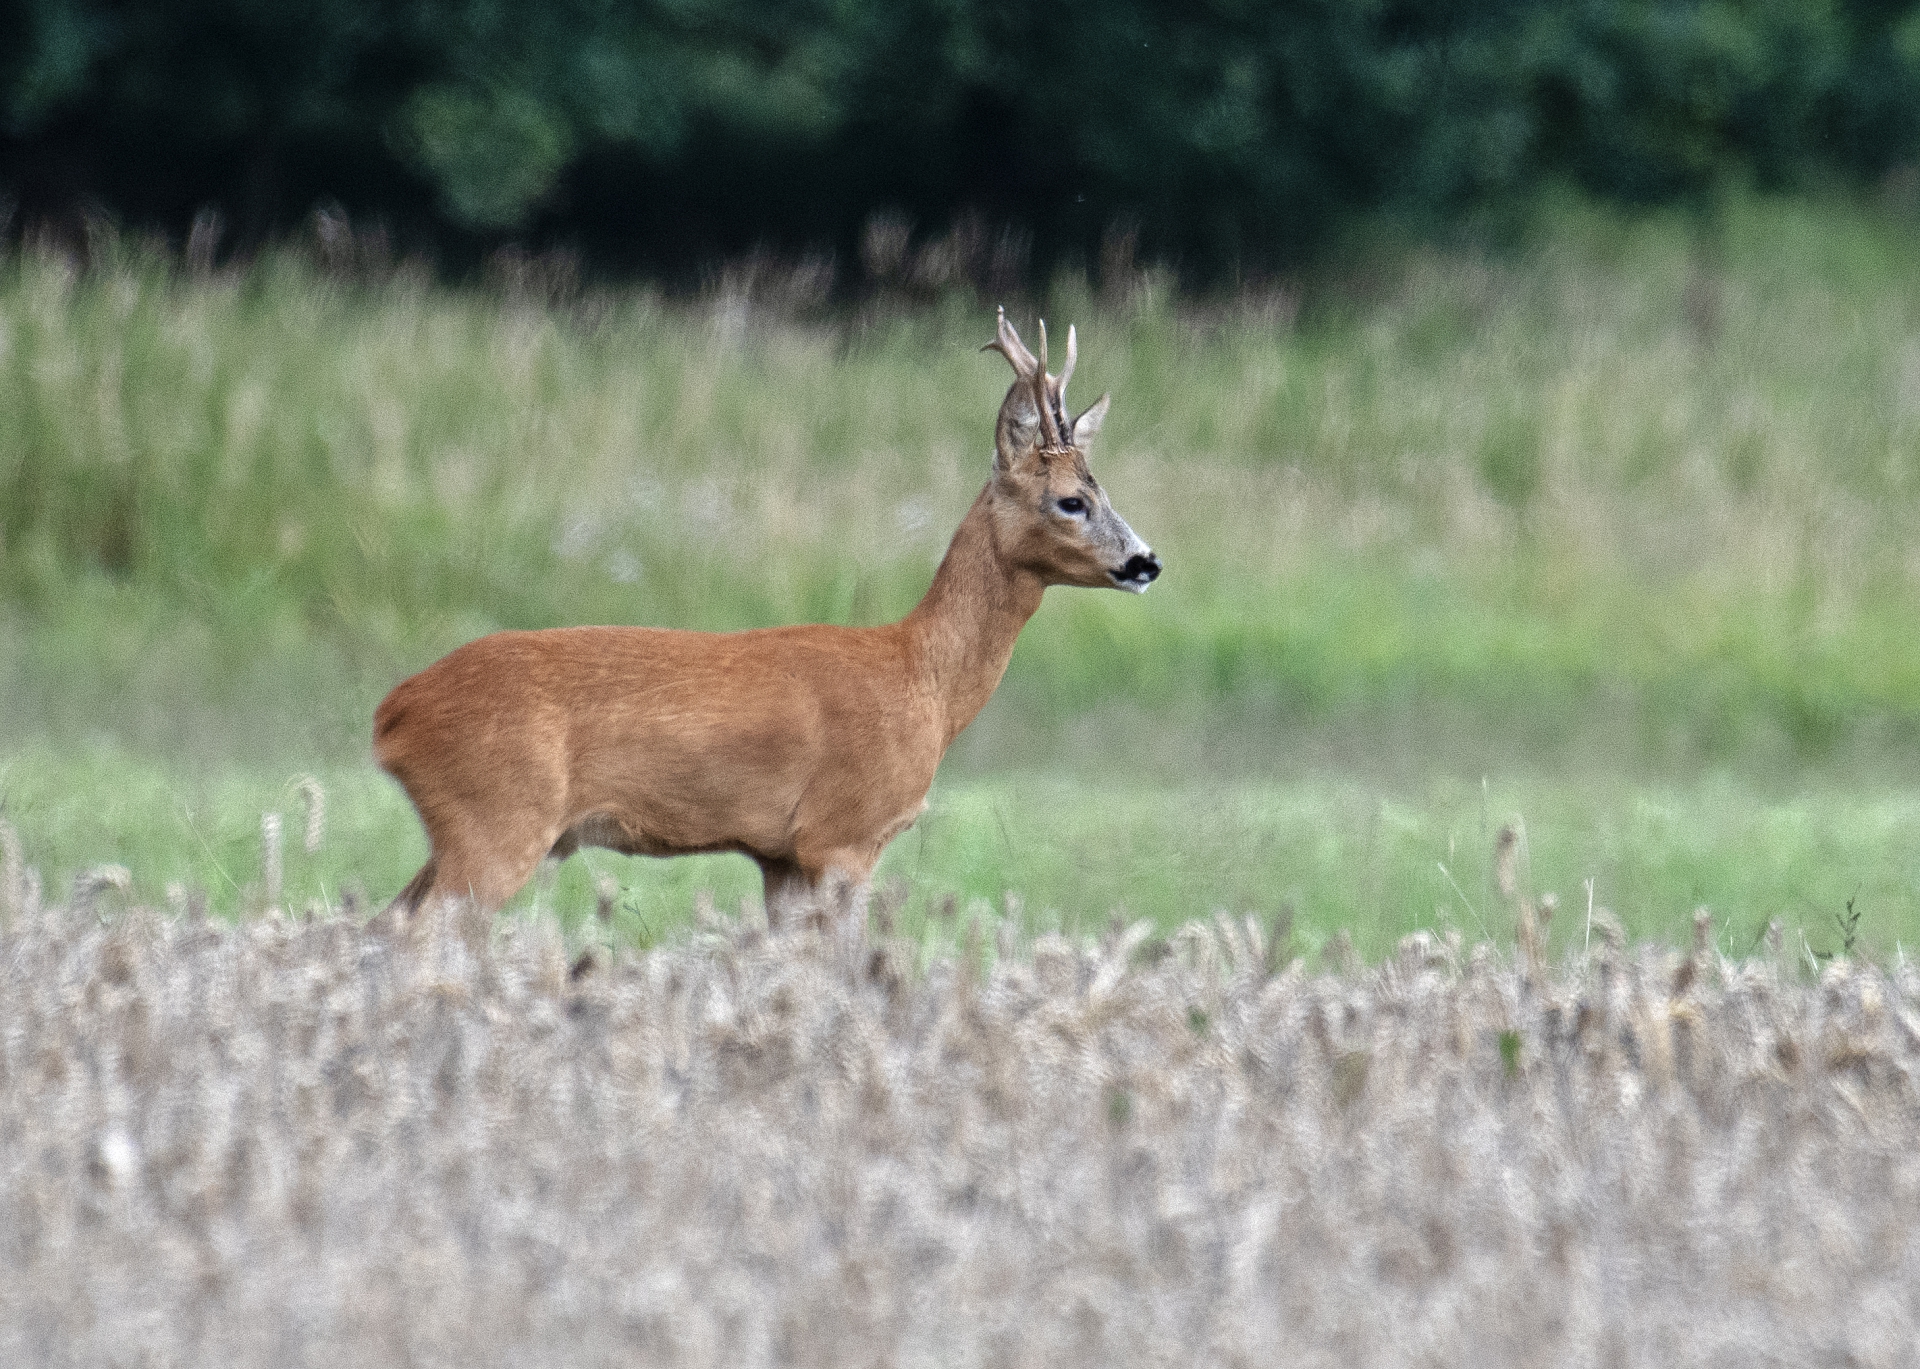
285, 1142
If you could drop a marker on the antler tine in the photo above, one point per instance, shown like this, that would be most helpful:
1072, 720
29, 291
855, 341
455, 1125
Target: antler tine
1007, 343
1073, 355
1046, 398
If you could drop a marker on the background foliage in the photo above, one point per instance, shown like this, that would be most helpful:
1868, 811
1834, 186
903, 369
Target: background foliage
1223, 136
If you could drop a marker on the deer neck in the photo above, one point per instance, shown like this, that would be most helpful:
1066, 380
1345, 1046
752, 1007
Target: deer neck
963, 631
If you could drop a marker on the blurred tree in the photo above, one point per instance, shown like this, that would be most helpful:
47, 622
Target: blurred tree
667, 131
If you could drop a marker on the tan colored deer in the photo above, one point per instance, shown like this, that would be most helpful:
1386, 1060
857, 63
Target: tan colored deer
806, 748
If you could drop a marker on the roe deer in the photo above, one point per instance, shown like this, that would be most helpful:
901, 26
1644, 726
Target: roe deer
806, 748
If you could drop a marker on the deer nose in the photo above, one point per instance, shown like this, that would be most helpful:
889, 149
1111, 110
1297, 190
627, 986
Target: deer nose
1140, 571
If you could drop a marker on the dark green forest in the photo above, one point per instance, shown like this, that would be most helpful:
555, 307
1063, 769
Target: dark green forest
660, 135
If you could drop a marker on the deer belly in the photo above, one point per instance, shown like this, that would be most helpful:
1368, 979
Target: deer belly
610, 832
671, 799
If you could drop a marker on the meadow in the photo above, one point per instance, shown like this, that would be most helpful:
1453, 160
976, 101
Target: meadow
1599, 531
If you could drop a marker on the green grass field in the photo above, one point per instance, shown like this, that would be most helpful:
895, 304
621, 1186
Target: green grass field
1605, 534
1316, 853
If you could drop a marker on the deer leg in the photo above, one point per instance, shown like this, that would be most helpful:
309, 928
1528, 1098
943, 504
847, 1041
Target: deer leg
469, 885
405, 903
787, 893
840, 880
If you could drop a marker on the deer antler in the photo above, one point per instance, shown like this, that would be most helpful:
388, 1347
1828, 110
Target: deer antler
1048, 394
1007, 343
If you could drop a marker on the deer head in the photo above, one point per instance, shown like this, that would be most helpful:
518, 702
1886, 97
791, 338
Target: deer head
1051, 516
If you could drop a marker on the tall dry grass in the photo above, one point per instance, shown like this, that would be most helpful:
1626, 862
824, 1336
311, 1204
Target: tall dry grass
288, 1143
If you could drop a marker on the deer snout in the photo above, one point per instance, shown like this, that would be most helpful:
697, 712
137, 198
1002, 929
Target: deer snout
1141, 570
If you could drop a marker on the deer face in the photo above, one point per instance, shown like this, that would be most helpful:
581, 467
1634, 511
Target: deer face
1050, 514
1053, 518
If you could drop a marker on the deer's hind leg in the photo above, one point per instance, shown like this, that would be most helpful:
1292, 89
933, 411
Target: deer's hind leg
470, 875
405, 903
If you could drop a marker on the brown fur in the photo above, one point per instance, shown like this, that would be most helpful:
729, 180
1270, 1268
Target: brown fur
806, 748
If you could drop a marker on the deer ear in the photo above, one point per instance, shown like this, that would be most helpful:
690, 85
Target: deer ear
1016, 429
1085, 426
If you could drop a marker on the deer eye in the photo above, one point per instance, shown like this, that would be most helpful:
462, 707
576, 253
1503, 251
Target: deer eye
1073, 504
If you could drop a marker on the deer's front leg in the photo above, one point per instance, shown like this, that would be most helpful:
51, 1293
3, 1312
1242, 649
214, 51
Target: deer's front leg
834, 889
786, 892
